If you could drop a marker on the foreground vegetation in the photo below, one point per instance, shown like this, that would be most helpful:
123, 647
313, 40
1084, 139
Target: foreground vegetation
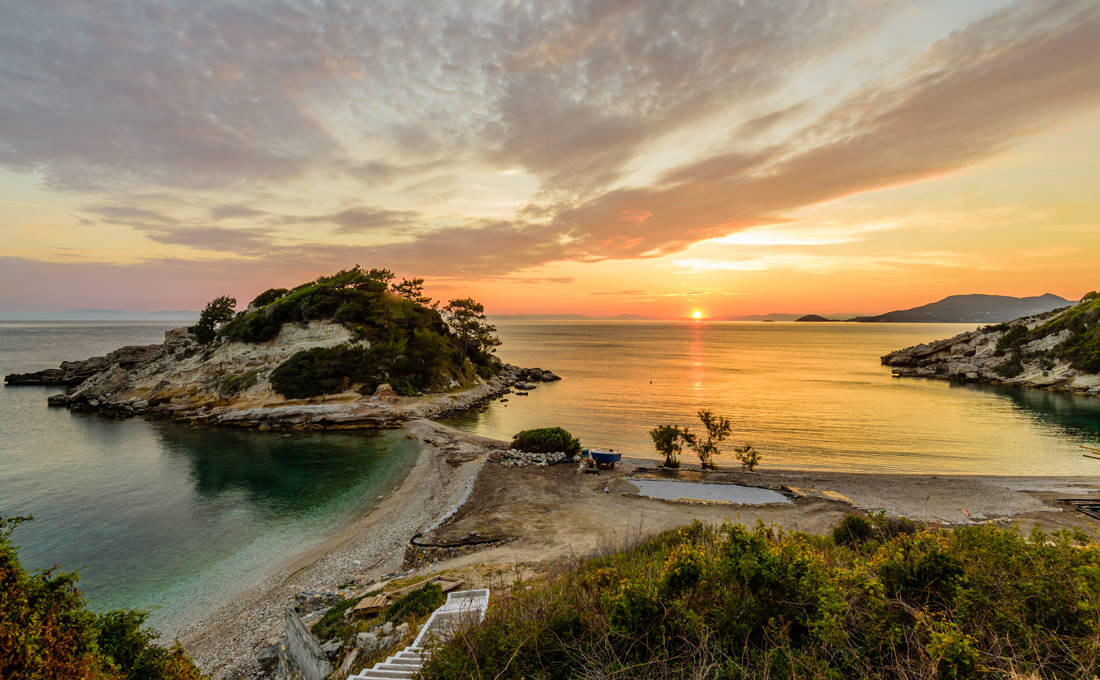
878, 599
47, 632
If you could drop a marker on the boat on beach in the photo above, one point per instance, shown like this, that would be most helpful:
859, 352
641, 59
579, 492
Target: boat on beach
604, 458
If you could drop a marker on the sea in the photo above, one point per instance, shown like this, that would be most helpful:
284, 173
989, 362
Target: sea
174, 519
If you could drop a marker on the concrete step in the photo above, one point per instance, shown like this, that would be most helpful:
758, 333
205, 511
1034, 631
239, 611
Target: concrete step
404, 661
394, 667
372, 674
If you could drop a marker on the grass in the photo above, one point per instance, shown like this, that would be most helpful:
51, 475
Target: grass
878, 599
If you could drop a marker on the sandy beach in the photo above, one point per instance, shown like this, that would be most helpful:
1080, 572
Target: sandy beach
547, 517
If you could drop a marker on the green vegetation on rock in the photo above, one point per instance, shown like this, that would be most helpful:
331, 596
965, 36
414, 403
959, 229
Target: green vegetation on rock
403, 339
886, 600
47, 631
218, 311
547, 440
1081, 349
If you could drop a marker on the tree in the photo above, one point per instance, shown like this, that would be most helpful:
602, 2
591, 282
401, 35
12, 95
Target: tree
669, 442
748, 456
717, 429
413, 289
218, 311
465, 318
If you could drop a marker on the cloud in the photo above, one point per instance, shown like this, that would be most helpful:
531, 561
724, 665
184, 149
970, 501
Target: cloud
1003, 78
219, 104
360, 219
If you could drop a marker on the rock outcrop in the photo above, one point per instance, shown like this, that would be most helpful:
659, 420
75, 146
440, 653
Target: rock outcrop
72, 373
1056, 350
229, 383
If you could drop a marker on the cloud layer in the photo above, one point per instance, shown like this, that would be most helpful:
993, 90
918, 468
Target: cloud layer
291, 130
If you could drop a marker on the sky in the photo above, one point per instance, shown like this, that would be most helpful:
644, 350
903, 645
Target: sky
655, 158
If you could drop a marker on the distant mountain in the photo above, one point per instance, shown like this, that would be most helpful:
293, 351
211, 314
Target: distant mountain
757, 317
102, 315
812, 317
973, 309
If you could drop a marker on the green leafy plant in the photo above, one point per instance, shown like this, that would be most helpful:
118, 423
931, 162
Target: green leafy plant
669, 442
547, 440
47, 632
716, 429
892, 599
218, 311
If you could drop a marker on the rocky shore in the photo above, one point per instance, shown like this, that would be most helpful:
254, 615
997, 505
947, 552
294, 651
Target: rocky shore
228, 383
1035, 351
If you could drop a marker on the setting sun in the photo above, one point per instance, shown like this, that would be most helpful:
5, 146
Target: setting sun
697, 314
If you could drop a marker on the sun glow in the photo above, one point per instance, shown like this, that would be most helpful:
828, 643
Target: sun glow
697, 314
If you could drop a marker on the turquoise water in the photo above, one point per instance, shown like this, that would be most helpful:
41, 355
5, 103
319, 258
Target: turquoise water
160, 516
806, 395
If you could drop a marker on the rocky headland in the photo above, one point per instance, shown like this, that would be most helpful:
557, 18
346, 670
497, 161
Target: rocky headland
229, 384
345, 351
1057, 350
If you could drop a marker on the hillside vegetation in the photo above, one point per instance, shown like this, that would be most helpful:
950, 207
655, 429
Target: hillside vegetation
878, 599
403, 339
47, 632
1080, 323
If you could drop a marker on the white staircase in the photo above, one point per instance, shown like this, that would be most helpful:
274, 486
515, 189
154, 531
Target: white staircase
461, 609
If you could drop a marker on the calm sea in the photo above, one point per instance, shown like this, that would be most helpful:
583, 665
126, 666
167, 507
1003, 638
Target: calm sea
806, 395
173, 519
160, 516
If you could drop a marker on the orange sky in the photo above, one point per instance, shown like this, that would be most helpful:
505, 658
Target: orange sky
835, 156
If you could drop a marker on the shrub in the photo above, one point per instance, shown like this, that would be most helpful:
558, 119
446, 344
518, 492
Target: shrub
732, 602
547, 440
267, 297
235, 383
853, 530
47, 632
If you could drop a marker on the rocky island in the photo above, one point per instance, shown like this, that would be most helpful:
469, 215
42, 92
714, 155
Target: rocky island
349, 350
1057, 350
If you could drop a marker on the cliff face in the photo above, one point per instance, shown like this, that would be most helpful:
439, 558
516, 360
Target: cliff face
1056, 350
229, 383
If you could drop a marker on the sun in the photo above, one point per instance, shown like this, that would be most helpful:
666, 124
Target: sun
697, 314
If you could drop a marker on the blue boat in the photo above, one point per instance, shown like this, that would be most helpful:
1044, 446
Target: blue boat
605, 458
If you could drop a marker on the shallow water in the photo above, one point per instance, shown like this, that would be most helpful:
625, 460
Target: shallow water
160, 516
806, 395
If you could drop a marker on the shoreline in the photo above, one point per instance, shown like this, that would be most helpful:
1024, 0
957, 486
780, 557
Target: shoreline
545, 517
226, 641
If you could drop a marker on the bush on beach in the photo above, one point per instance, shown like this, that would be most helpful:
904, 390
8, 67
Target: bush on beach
547, 440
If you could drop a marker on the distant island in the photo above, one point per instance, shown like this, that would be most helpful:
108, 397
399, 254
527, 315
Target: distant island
1057, 350
972, 309
812, 318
